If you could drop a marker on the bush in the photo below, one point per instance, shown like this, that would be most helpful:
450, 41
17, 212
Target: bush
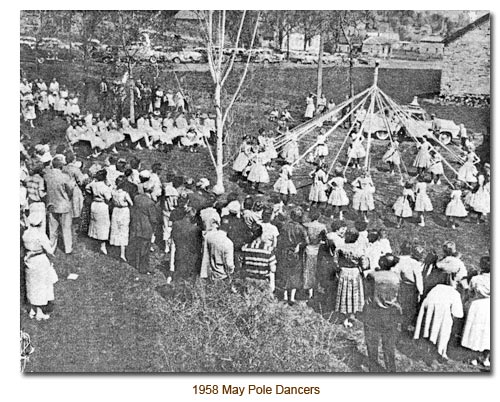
211, 329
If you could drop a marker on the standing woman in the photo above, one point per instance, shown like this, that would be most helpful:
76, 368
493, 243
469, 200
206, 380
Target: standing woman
350, 293
316, 233
40, 274
423, 203
403, 205
479, 199
392, 156
309, 107
338, 197
468, 171
120, 218
242, 160
455, 208
423, 158
317, 194
362, 201
99, 211
476, 333
321, 104
284, 185
436, 167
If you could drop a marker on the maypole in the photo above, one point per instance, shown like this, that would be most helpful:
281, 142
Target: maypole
370, 113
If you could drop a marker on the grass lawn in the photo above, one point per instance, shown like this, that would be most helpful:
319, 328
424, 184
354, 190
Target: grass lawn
114, 319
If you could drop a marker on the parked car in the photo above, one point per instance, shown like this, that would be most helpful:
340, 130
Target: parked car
105, 55
266, 56
184, 56
420, 123
52, 43
31, 55
27, 40
375, 124
301, 57
241, 54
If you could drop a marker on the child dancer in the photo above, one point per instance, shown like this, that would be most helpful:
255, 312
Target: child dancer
392, 156
284, 185
423, 158
455, 208
258, 173
468, 171
480, 198
321, 149
317, 194
356, 151
402, 207
422, 201
436, 167
243, 158
338, 197
362, 200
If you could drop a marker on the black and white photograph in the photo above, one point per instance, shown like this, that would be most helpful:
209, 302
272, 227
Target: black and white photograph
254, 191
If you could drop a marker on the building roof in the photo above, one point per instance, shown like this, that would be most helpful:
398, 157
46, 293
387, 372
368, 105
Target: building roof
186, 15
461, 32
432, 39
379, 40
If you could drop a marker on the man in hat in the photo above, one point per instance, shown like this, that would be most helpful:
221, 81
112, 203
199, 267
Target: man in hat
60, 188
382, 313
144, 219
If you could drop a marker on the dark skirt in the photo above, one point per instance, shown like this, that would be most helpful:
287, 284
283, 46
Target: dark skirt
138, 254
289, 270
408, 299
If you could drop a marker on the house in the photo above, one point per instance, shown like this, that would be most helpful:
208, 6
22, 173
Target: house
431, 45
378, 46
297, 42
466, 60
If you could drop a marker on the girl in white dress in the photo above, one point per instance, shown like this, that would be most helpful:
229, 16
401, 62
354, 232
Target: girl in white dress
362, 201
99, 211
61, 104
317, 194
29, 113
43, 103
436, 167
180, 103
392, 156
321, 150
73, 109
338, 197
258, 172
423, 203
284, 185
243, 158
309, 107
403, 205
455, 208
468, 171
356, 151
321, 104
331, 106
479, 199
423, 158
290, 151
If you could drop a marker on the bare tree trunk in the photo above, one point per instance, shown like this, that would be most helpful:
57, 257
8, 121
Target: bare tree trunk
320, 66
219, 154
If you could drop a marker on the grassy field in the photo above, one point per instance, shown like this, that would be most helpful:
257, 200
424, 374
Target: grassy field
113, 319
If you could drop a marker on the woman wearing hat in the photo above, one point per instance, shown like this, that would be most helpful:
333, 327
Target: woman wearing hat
40, 274
99, 211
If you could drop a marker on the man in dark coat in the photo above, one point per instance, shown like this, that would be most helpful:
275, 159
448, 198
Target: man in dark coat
185, 254
144, 218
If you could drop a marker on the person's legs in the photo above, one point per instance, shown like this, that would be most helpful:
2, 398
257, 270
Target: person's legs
66, 221
372, 340
389, 336
53, 228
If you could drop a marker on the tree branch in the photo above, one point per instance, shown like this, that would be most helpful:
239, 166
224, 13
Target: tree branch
240, 84
233, 56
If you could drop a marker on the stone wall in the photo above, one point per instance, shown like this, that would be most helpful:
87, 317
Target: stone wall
466, 63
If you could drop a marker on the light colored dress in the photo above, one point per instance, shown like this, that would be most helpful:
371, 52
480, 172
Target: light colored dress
435, 318
392, 155
423, 158
258, 172
60, 105
363, 194
476, 333
321, 148
290, 151
309, 107
402, 207
422, 201
456, 207
120, 218
284, 184
242, 160
356, 150
73, 108
468, 171
318, 187
99, 212
480, 199
436, 166
338, 196
40, 274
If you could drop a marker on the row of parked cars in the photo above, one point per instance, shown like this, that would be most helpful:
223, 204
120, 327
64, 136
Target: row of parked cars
53, 49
